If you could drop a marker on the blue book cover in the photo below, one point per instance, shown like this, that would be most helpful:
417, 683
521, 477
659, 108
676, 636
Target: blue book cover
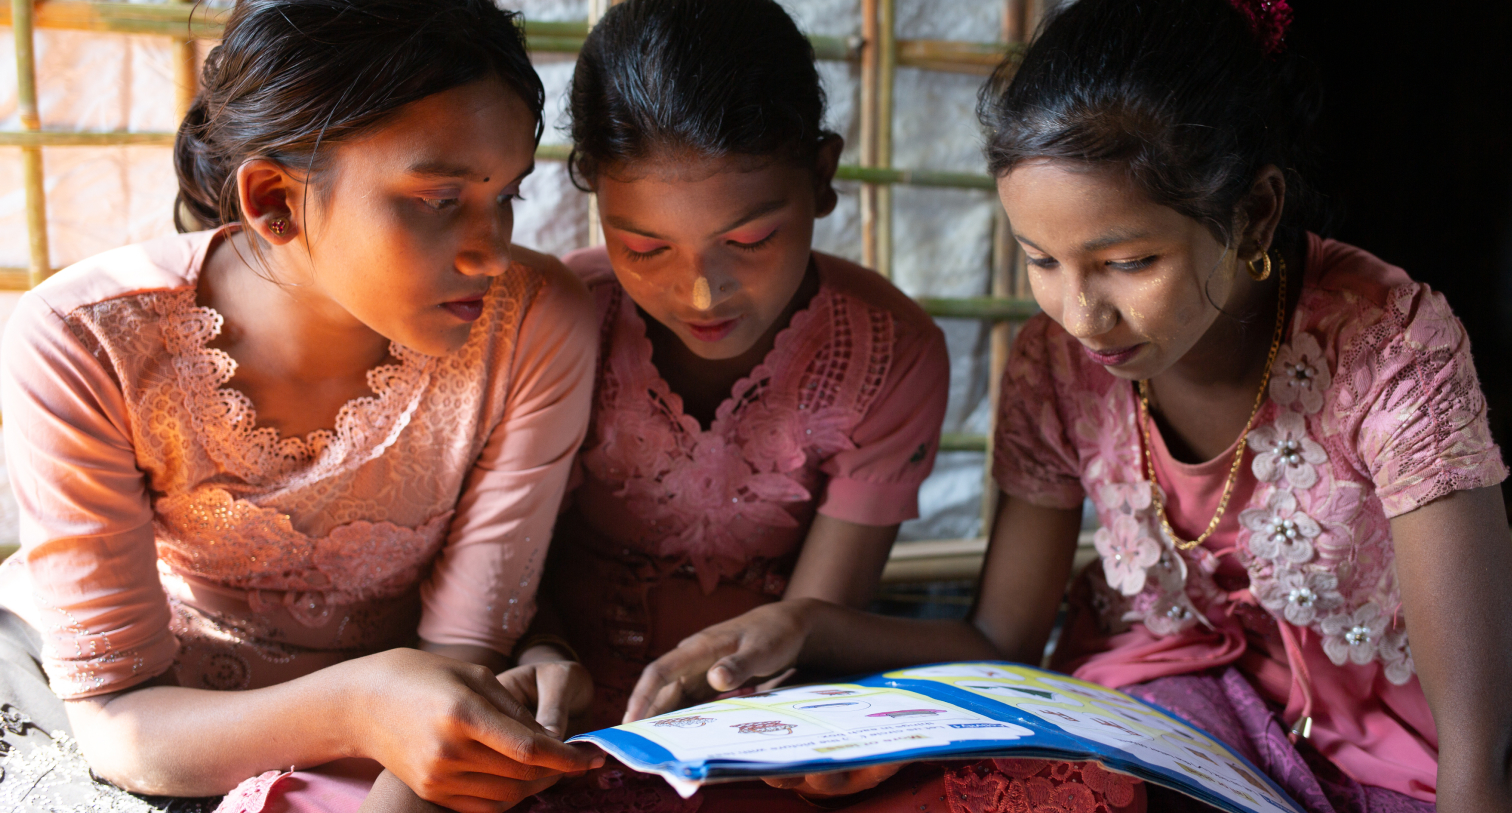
935, 712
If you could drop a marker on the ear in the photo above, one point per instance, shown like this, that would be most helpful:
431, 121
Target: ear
268, 192
1260, 212
826, 161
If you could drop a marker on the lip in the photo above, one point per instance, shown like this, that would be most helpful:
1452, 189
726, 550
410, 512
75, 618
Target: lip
711, 331
1114, 356
468, 310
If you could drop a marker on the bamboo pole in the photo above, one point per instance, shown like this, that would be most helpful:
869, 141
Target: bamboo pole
32, 181
185, 73
868, 133
596, 11
887, 61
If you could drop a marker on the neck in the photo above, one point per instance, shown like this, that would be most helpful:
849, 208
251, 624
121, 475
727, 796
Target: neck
280, 329
1232, 353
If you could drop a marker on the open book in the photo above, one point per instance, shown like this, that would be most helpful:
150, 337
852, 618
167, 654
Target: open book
942, 711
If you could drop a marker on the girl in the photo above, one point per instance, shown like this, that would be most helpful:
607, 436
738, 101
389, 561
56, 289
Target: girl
764, 413
1283, 437
286, 484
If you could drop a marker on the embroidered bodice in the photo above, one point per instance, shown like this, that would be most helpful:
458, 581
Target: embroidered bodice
1374, 409
828, 421
268, 548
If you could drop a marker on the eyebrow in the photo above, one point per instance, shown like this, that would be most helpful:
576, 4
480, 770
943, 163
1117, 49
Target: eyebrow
1112, 238
446, 169
759, 210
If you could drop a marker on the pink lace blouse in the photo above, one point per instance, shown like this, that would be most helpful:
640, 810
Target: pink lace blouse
842, 418
163, 530
1374, 410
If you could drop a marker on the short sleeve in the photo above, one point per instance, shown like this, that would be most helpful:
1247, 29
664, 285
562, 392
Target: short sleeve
1424, 431
482, 589
1033, 458
877, 483
85, 517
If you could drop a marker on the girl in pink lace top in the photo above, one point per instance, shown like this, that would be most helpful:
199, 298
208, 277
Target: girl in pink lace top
256, 463
764, 413
1302, 547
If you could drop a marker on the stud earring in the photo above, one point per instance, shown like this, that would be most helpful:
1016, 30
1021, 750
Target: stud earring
1262, 274
280, 226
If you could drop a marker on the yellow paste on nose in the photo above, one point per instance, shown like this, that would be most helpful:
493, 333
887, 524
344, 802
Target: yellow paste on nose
701, 298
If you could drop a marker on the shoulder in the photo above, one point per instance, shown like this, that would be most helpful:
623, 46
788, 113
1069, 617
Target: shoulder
865, 287
556, 294
1353, 301
165, 264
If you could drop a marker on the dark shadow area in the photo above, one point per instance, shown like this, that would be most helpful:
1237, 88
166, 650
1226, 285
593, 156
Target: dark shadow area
1417, 154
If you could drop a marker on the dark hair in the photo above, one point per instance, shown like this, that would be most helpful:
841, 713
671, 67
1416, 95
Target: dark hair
291, 76
1179, 92
733, 77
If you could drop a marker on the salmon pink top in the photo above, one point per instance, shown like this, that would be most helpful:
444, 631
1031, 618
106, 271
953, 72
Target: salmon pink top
675, 526
163, 530
1374, 410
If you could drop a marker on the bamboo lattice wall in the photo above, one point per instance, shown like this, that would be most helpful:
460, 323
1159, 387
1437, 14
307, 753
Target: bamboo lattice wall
878, 53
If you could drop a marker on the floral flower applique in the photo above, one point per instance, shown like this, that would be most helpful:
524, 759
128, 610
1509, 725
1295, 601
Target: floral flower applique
1283, 450
1300, 596
1300, 375
1127, 552
1280, 530
1355, 636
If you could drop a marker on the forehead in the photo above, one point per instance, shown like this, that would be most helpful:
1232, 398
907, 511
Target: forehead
690, 189
1066, 202
483, 126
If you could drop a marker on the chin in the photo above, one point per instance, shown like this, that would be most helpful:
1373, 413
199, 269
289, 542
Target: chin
727, 348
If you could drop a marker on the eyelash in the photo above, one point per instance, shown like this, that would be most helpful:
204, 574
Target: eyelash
643, 255
442, 204
1130, 266
756, 245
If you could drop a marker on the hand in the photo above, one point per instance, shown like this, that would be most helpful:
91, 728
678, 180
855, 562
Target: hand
759, 643
453, 734
557, 687
836, 783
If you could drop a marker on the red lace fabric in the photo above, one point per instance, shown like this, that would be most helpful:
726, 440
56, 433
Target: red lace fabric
1040, 786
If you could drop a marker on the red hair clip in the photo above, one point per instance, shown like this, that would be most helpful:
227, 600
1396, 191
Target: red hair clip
1269, 19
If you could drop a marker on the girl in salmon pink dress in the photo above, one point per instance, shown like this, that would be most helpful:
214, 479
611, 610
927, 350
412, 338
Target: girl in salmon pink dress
286, 483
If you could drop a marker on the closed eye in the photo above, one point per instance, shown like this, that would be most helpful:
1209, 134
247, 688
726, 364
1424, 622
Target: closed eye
1132, 265
1040, 262
440, 204
756, 245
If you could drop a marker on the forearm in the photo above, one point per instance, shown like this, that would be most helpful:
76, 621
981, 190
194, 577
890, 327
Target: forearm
168, 740
843, 640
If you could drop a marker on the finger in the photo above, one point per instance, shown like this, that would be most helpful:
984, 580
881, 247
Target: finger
783, 782
492, 793
829, 783
757, 656
692, 657
551, 700
531, 745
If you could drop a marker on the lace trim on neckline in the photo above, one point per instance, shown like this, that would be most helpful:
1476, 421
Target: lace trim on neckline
746, 390
226, 419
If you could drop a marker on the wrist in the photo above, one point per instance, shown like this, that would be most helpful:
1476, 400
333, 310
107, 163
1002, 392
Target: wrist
544, 649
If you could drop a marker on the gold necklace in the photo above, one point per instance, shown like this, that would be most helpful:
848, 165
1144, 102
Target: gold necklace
1228, 487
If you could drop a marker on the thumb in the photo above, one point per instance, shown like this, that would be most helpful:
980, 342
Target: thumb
752, 659
551, 701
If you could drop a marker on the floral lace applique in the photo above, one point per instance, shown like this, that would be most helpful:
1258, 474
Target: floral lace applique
258, 550
227, 420
1283, 449
713, 495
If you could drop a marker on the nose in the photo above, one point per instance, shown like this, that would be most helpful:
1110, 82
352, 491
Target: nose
485, 249
1085, 313
708, 284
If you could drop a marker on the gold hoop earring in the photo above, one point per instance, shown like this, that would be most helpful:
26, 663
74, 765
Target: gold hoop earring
1264, 273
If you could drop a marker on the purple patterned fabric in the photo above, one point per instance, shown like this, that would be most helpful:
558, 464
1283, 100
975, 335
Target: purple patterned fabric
1228, 707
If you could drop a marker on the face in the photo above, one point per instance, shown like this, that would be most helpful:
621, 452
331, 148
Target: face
413, 221
714, 249
1132, 280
